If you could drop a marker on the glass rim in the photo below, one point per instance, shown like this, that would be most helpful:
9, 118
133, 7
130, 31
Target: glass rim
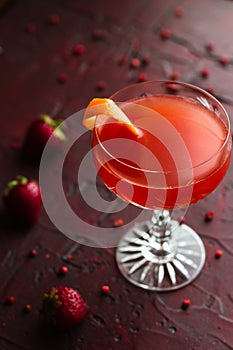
186, 85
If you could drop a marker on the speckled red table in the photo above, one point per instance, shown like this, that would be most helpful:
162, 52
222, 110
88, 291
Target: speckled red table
40, 72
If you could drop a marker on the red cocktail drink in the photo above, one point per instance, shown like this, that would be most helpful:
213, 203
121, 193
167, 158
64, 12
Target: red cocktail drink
177, 158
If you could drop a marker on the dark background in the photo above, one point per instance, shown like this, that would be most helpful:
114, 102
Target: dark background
39, 73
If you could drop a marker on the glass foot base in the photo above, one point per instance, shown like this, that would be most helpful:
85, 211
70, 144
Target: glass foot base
140, 262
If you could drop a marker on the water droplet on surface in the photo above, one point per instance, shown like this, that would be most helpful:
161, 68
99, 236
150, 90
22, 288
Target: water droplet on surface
172, 330
117, 338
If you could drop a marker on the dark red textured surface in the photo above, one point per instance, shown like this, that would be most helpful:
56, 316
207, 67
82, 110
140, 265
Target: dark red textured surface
30, 64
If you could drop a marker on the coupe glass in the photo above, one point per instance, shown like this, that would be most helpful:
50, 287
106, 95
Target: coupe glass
178, 155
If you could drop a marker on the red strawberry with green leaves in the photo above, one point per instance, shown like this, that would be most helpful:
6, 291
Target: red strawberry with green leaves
64, 307
39, 133
22, 198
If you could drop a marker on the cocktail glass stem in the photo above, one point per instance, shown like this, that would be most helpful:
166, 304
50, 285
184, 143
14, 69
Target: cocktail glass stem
160, 255
164, 247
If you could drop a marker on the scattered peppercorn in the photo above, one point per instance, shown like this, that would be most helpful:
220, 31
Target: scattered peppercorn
172, 87
9, 300
165, 33
121, 60
224, 60
210, 89
185, 304
118, 222
54, 19
210, 46
145, 60
205, 72
79, 49
70, 257
179, 11
175, 75
15, 145
27, 308
62, 78
63, 270
142, 77
33, 252
105, 289
209, 216
98, 34
218, 254
101, 85
135, 62
31, 27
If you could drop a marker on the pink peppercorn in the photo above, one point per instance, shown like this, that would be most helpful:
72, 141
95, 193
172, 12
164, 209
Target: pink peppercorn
101, 85
70, 257
27, 308
209, 216
15, 145
135, 63
175, 75
54, 19
210, 46
186, 303
142, 77
98, 34
205, 72
172, 87
121, 60
218, 254
96, 260
224, 60
165, 33
210, 89
105, 289
179, 11
118, 222
63, 270
145, 60
62, 78
79, 49
33, 252
9, 299
31, 27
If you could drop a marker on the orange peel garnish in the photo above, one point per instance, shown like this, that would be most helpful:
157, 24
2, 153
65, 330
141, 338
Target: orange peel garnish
105, 107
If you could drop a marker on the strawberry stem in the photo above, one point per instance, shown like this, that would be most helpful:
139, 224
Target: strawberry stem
20, 180
47, 119
55, 124
51, 302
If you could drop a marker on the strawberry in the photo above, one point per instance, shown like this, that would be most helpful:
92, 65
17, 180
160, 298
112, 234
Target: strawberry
38, 134
22, 198
64, 306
